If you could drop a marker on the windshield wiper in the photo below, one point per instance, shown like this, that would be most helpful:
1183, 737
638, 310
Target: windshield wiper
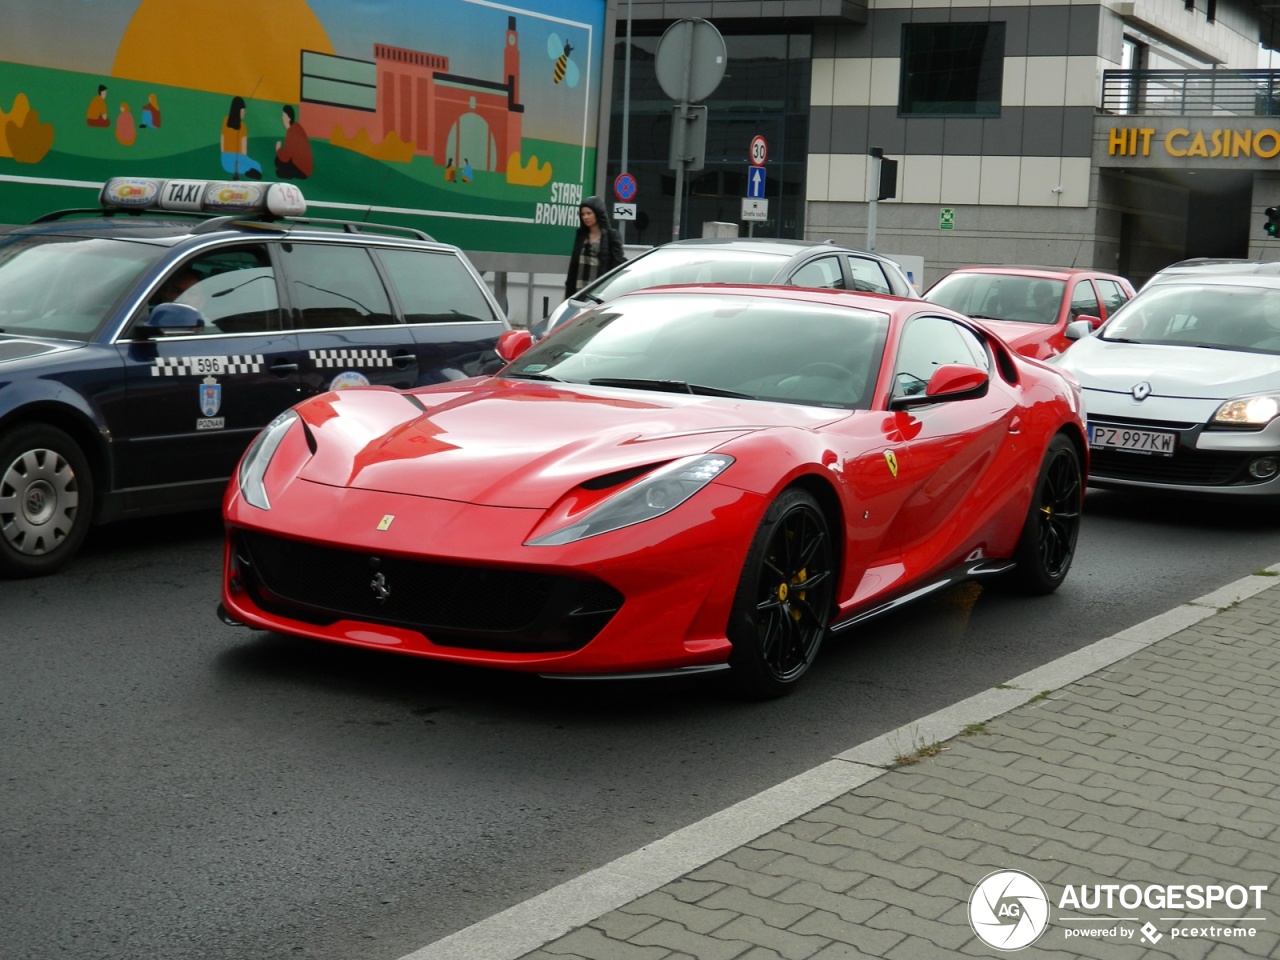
583, 295
668, 386
533, 376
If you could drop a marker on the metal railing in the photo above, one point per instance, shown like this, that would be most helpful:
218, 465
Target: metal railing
1192, 93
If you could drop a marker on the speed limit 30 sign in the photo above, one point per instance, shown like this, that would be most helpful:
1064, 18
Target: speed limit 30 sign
759, 151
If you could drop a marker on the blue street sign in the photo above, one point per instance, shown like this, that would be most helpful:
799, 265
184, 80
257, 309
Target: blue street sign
624, 187
755, 183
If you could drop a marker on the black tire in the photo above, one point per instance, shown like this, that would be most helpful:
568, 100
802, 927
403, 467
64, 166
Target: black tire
46, 500
1048, 541
784, 598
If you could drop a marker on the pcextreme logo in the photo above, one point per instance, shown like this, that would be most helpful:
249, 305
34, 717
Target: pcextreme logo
1009, 910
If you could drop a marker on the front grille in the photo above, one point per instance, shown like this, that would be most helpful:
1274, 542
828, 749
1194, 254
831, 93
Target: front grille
1186, 466
484, 608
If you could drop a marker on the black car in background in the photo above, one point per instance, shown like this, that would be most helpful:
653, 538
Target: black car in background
143, 345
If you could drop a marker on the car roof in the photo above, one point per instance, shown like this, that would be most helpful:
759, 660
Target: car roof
1202, 266
1048, 273
169, 229
1269, 281
777, 245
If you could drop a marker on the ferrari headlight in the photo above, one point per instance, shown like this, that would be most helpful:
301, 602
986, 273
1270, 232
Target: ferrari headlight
1248, 411
658, 493
253, 467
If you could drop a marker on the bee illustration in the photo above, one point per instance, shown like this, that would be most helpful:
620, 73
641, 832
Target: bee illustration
565, 70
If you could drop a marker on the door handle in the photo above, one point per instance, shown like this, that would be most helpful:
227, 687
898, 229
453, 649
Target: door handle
403, 359
281, 369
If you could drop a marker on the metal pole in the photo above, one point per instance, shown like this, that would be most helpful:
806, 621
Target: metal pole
626, 110
682, 136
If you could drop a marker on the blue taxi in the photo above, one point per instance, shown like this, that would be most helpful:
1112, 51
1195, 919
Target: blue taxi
144, 343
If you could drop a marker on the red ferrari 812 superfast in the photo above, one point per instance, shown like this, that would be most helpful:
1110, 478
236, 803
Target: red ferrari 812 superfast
683, 479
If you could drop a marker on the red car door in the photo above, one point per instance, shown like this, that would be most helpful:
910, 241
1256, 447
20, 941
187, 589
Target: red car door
939, 485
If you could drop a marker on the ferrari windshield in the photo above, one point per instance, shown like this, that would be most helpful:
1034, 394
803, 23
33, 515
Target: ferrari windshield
677, 264
1000, 296
760, 348
66, 287
1224, 317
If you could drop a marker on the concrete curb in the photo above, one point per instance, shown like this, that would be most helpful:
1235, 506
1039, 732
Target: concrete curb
527, 926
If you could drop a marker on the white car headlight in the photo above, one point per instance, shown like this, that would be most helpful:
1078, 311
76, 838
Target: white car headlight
253, 468
658, 493
1248, 411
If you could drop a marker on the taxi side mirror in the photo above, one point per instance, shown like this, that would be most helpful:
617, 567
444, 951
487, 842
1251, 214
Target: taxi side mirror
171, 318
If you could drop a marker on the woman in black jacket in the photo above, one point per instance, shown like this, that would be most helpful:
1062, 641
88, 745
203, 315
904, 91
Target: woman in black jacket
597, 248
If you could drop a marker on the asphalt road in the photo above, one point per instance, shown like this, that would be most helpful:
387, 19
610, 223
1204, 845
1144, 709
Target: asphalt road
176, 789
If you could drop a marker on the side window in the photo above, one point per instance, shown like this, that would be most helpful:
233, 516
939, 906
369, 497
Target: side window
868, 276
335, 285
435, 287
234, 288
823, 272
927, 344
1083, 301
1113, 295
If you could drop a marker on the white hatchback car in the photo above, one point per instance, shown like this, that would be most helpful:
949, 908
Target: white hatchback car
1182, 388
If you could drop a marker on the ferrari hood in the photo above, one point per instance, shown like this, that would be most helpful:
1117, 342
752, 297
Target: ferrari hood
1173, 371
519, 444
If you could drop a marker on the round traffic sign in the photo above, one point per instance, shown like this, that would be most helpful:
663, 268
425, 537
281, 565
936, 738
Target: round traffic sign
624, 187
690, 60
759, 151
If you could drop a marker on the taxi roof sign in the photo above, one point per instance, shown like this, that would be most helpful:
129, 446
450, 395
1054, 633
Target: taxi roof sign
204, 196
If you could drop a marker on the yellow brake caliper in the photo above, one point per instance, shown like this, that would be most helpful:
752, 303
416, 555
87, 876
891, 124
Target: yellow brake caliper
800, 578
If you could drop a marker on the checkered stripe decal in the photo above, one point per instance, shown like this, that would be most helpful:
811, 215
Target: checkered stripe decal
347, 358
200, 366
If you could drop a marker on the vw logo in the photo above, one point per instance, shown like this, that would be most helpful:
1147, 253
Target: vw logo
1009, 910
379, 587
35, 500
1141, 390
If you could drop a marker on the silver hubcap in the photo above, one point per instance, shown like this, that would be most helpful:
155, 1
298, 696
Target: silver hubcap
39, 497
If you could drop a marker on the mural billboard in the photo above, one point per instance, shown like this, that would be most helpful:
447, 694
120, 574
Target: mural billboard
471, 119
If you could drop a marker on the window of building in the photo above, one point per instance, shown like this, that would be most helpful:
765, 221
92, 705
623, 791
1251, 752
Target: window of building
952, 69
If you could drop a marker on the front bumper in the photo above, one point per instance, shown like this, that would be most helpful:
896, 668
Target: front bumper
454, 581
1204, 462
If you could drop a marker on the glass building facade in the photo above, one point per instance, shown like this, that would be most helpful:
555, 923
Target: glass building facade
765, 92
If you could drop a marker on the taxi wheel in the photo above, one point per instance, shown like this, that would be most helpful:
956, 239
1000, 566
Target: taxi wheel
46, 500
784, 598
1048, 542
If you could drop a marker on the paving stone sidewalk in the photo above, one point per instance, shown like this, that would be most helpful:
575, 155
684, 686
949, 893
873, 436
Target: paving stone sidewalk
1159, 770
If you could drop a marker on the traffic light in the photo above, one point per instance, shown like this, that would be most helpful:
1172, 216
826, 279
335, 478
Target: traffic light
888, 179
1272, 227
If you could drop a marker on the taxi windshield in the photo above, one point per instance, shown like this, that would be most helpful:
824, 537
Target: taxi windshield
66, 287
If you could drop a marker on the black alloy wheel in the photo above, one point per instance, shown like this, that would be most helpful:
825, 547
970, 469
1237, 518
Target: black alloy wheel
1048, 542
784, 599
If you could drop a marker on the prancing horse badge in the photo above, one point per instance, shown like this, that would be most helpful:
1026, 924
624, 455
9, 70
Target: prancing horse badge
891, 459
